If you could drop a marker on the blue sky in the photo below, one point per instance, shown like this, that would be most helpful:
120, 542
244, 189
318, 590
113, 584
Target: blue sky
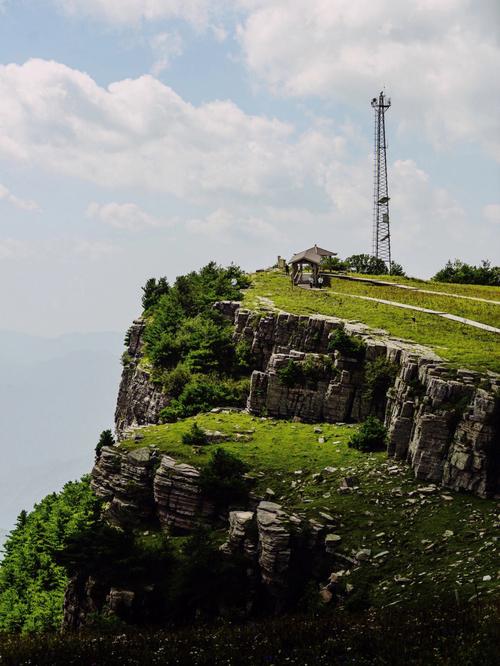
148, 137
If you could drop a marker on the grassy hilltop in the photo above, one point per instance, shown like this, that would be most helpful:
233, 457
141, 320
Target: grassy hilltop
388, 512
420, 564
461, 345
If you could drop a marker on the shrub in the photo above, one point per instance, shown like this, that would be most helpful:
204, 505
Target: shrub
203, 392
370, 437
334, 264
347, 345
175, 380
152, 292
291, 374
397, 269
222, 480
243, 356
379, 377
460, 272
105, 439
206, 582
366, 263
195, 437
126, 359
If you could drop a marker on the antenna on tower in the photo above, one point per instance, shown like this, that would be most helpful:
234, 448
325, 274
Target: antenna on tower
381, 245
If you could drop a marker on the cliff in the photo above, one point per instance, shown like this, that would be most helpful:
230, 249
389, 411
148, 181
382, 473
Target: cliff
444, 422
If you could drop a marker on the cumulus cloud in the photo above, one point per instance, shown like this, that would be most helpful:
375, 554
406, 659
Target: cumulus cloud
491, 213
439, 59
128, 216
24, 204
140, 133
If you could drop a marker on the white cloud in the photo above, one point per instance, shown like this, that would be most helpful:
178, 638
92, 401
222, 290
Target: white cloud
128, 216
438, 59
24, 204
165, 46
196, 12
491, 213
226, 225
140, 133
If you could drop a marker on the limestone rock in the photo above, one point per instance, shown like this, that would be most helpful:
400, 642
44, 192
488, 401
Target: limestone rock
178, 496
274, 532
125, 479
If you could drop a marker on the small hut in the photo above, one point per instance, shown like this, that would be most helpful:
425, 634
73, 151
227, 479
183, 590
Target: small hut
308, 258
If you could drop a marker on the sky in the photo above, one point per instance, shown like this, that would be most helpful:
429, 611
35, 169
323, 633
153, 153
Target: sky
146, 138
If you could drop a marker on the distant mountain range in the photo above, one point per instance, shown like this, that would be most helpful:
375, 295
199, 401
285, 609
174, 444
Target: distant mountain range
56, 395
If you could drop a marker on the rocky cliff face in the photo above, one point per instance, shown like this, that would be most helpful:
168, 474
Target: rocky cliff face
445, 423
139, 400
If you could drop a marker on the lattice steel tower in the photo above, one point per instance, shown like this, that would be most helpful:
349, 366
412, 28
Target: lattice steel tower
381, 246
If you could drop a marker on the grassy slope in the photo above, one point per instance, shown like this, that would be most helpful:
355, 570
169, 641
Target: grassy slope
461, 345
387, 512
472, 290
486, 313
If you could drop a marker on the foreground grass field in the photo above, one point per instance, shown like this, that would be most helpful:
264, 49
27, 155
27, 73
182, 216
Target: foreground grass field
460, 345
423, 540
445, 634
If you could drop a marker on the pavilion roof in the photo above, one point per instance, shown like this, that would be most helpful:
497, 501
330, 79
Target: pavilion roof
312, 255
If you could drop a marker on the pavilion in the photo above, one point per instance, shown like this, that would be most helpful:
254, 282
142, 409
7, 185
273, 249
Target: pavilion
311, 257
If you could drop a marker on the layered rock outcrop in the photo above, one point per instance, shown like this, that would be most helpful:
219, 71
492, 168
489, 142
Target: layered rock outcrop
140, 400
141, 486
443, 422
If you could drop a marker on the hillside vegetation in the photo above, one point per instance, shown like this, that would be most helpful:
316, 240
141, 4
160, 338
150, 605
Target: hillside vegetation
461, 345
431, 541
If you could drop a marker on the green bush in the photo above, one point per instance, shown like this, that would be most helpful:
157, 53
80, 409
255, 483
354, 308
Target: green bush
105, 439
206, 581
347, 345
175, 380
203, 392
380, 375
291, 374
195, 437
366, 263
333, 264
152, 292
222, 480
244, 356
317, 368
370, 437
397, 269
462, 273
190, 345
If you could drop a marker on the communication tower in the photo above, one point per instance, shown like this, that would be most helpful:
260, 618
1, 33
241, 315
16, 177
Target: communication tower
381, 246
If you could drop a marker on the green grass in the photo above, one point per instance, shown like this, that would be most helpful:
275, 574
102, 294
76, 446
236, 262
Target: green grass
387, 512
460, 345
471, 290
462, 635
486, 313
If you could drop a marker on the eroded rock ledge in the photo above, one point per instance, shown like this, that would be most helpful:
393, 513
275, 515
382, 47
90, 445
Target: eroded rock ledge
444, 422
